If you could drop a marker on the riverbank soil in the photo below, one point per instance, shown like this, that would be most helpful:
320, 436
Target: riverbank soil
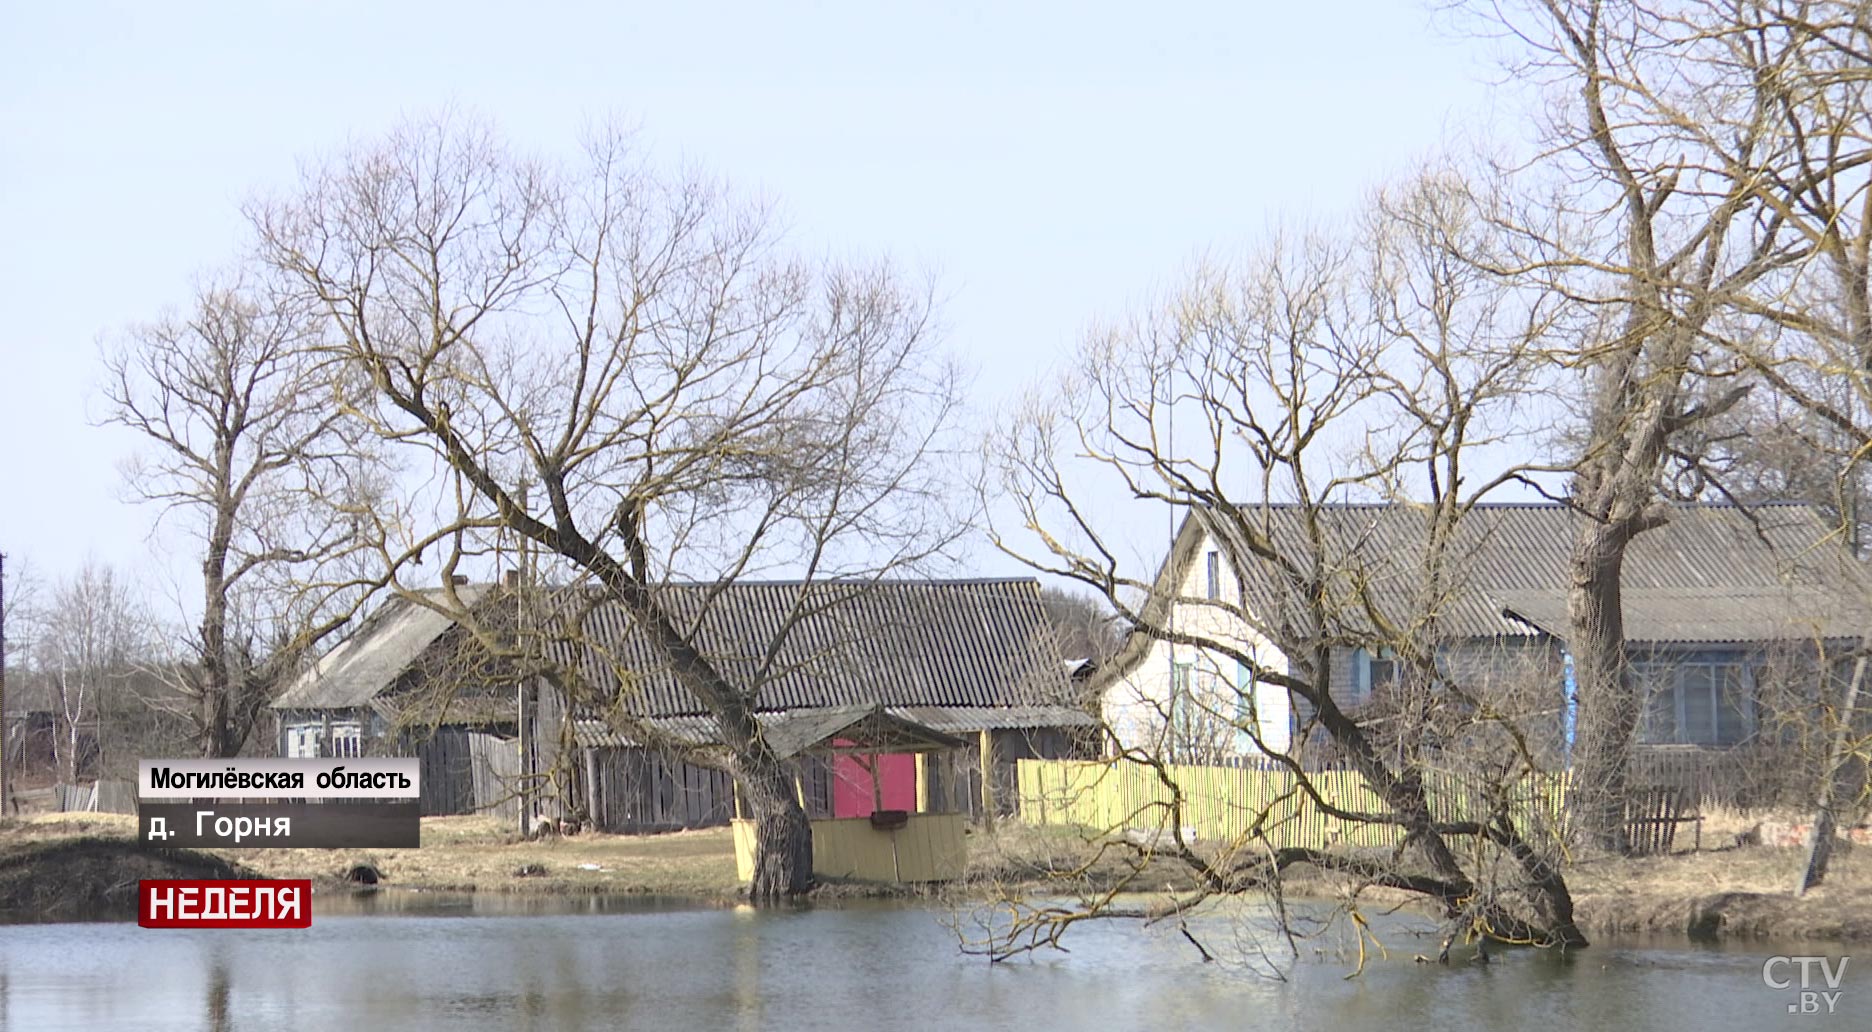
86, 866
71, 864
462, 854
1735, 892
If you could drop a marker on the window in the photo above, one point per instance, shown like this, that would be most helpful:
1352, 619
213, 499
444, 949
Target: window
1372, 673
308, 740
302, 741
346, 740
1695, 702
1213, 565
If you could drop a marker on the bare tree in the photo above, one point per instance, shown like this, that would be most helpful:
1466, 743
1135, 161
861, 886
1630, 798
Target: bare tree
89, 638
1083, 625
1807, 328
18, 591
251, 448
1376, 367
1645, 212
630, 373
1730, 138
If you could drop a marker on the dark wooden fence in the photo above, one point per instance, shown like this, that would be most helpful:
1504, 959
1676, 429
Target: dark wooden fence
1747, 777
632, 790
1652, 816
466, 771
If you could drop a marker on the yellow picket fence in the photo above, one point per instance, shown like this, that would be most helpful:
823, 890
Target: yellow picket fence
1228, 804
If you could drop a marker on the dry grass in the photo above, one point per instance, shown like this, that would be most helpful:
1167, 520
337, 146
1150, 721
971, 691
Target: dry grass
1722, 889
468, 854
480, 854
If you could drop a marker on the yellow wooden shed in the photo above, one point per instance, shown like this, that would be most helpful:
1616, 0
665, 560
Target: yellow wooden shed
887, 845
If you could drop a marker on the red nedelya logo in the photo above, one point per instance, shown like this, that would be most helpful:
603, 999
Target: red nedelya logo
244, 903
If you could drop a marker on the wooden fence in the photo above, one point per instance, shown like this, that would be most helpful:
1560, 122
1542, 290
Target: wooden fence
1651, 818
632, 790
1228, 804
96, 797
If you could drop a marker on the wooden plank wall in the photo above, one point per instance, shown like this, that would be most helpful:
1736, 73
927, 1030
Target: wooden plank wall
637, 790
931, 847
956, 784
465, 771
96, 797
444, 766
494, 770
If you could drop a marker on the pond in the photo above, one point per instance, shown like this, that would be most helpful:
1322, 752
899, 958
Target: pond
424, 962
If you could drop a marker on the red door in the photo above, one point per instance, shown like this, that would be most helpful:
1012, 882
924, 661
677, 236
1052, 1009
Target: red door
851, 783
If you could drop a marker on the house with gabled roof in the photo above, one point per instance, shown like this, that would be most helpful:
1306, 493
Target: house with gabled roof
974, 659
1710, 599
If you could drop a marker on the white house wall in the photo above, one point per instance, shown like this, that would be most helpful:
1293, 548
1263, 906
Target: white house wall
1136, 705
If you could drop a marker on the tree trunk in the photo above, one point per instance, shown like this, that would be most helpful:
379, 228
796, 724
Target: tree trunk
783, 850
1607, 722
213, 682
782, 834
1403, 791
1820, 836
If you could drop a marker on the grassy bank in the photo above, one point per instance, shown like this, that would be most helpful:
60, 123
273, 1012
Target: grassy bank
1736, 892
72, 862
464, 854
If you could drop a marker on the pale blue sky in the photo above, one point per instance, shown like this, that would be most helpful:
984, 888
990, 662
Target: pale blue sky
1050, 163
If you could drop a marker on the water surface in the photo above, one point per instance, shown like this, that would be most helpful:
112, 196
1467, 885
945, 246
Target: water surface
420, 962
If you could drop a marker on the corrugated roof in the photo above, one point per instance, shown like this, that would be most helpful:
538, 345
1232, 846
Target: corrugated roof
362, 665
954, 720
589, 732
789, 732
1708, 616
1781, 557
970, 645
977, 643
957, 720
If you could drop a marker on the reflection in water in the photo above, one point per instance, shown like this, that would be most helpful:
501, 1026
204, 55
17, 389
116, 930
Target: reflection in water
218, 997
417, 962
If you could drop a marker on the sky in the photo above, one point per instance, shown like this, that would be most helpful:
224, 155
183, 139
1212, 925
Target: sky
1051, 164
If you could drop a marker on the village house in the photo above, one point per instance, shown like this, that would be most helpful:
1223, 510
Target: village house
971, 659
1718, 602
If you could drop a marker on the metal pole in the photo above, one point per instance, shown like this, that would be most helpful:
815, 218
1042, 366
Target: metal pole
6, 796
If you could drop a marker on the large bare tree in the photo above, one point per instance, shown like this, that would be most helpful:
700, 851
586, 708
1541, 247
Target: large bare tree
248, 446
1372, 366
630, 372
1805, 328
1643, 209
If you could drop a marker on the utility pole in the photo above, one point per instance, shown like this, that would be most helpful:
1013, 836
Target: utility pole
523, 724
6, 795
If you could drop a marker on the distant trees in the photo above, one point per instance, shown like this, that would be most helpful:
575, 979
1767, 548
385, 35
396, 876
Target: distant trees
631, 375
89, 638
1085, 627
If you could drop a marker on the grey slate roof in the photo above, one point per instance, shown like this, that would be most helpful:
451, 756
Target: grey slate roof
1709, 616
955, 655
954, 720
970, 643
367, 662
1712, 573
